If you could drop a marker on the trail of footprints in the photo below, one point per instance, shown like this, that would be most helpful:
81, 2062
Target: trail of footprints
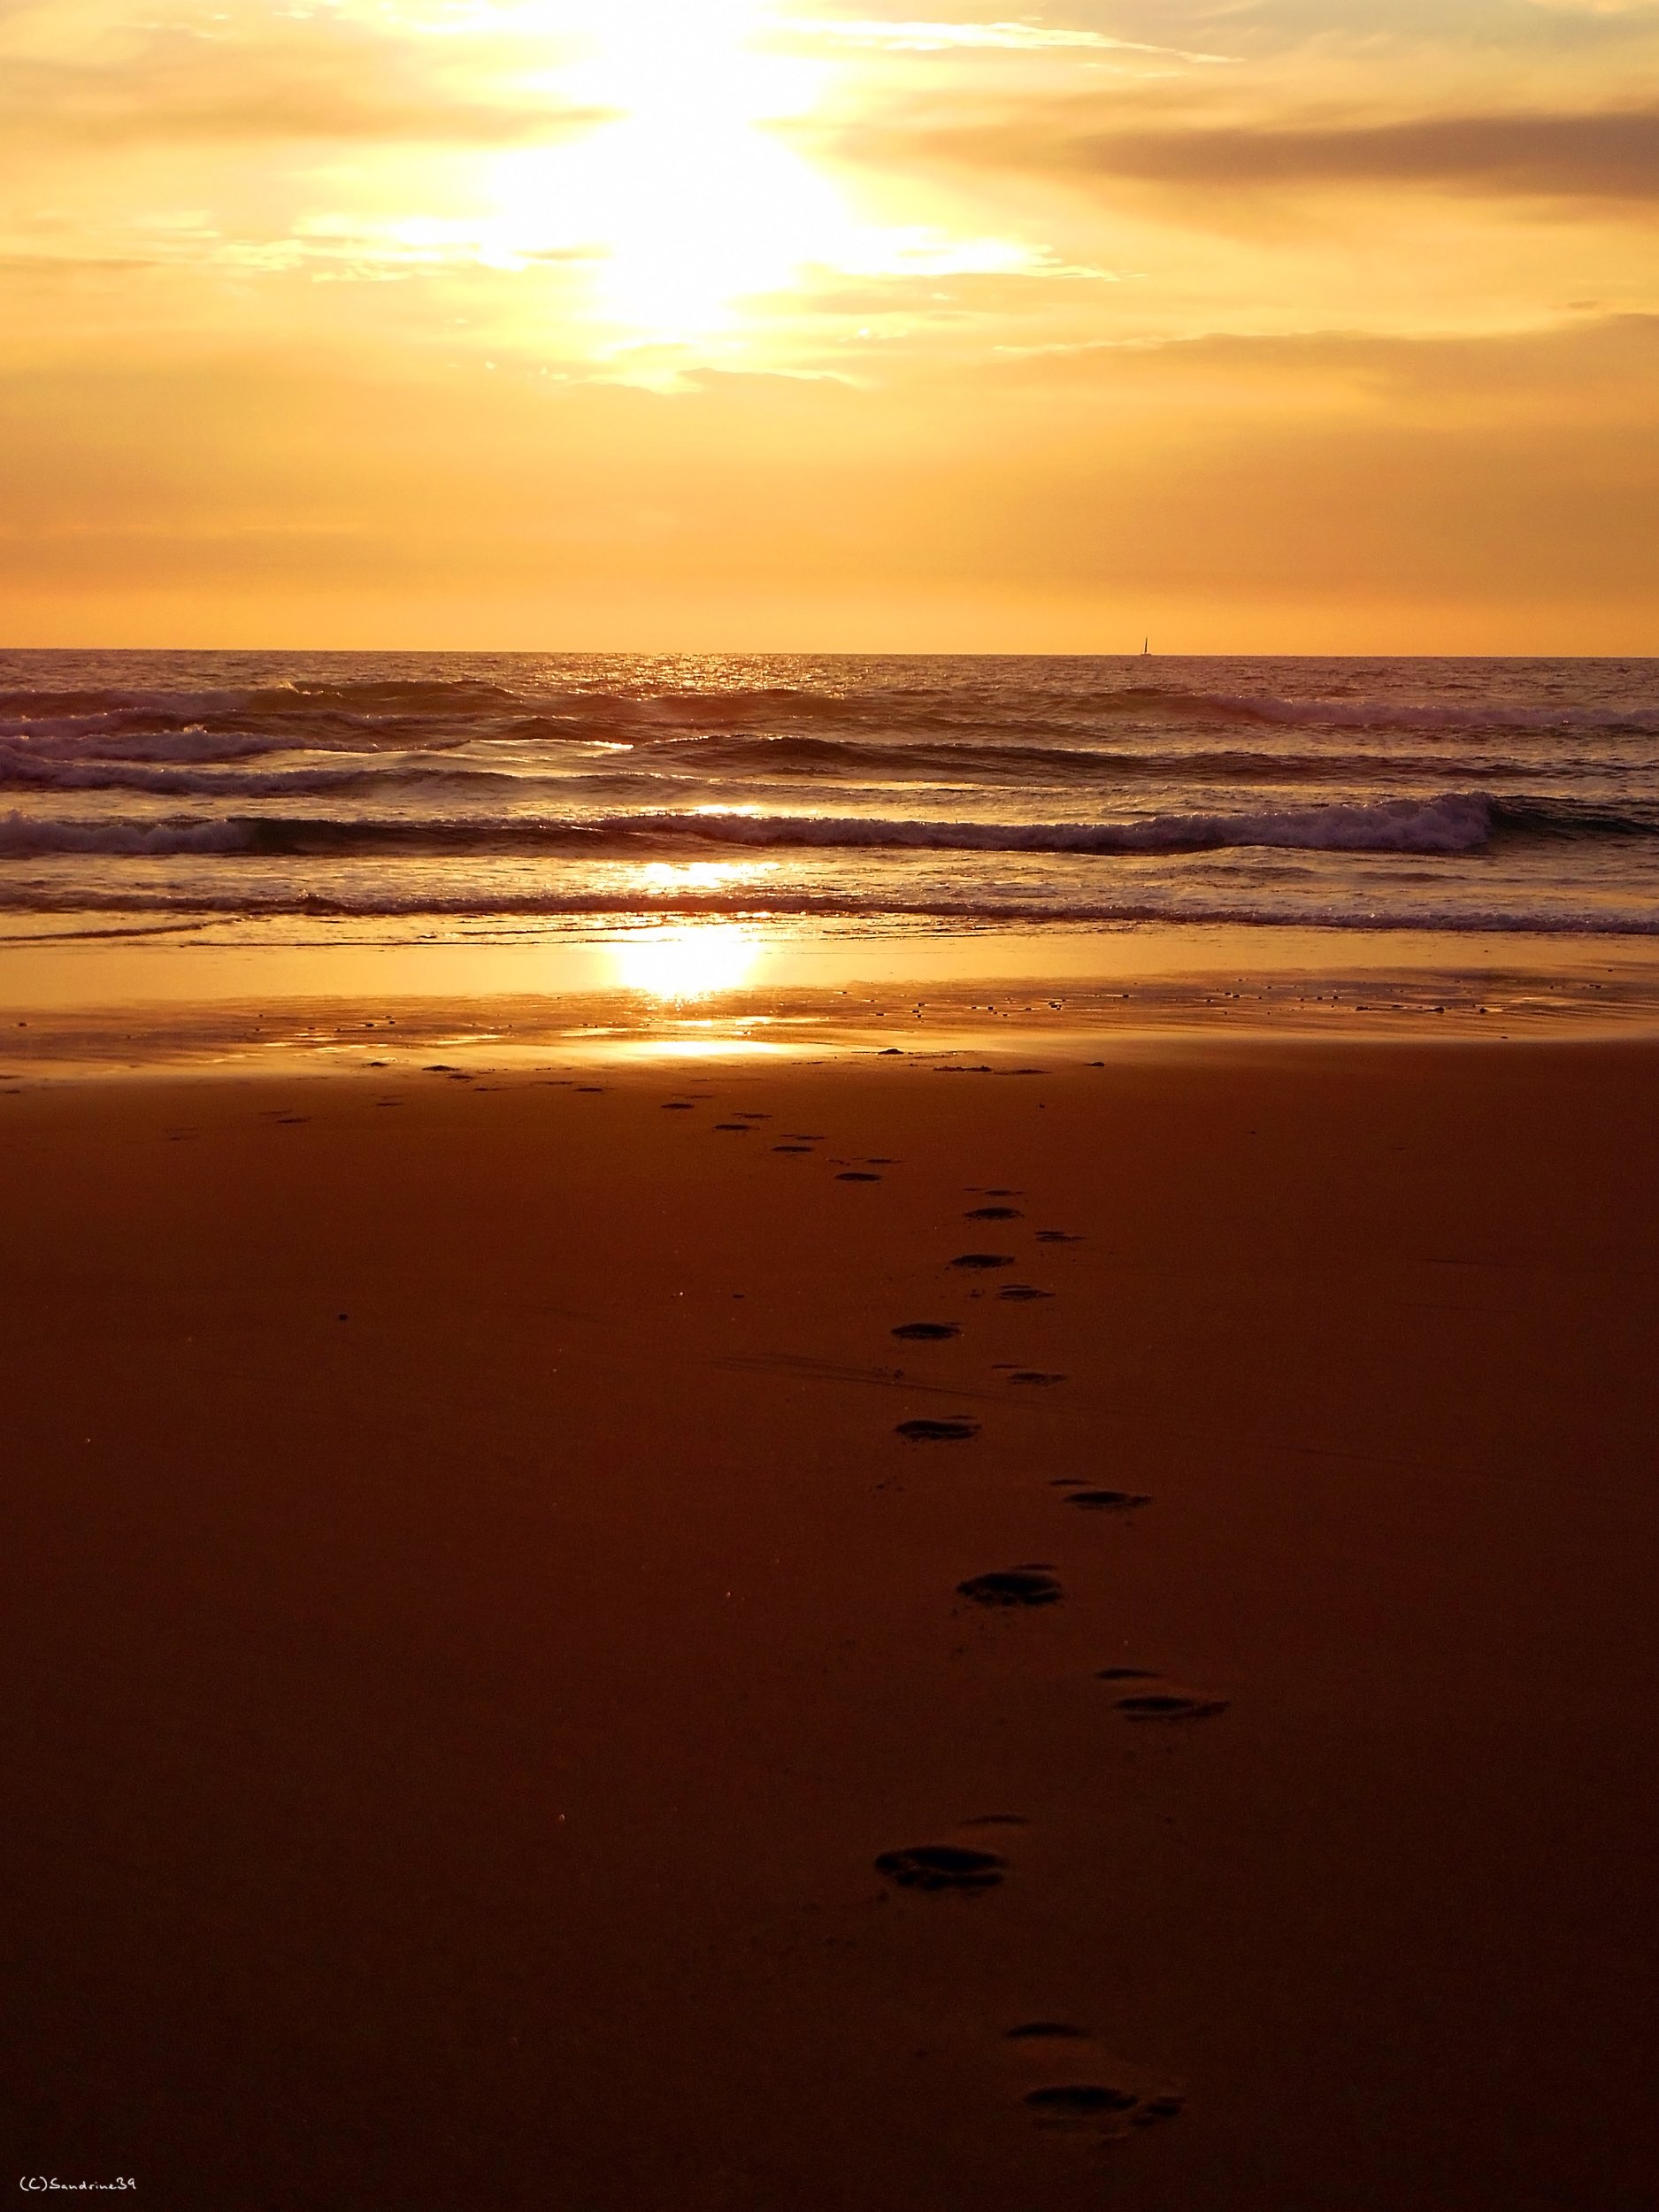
1069, 2083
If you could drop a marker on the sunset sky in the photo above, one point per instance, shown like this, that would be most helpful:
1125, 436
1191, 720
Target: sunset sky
1263, 325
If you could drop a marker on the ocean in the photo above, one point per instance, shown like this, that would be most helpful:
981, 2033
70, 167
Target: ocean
228, 795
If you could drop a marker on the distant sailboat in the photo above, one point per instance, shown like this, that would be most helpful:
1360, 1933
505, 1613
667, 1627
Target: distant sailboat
1146, 649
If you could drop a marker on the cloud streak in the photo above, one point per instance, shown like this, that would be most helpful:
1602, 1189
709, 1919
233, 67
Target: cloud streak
301, 83
1607, 155
1009, 37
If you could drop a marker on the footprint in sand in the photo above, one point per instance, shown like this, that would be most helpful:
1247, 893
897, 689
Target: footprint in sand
1106, 1501
1057, 1236
798, 1149
983, 1259
926, 1332
1069, 2101
935, 1867
1035, 1378
676, 1106
1032, 1585
1168, 1701
1086, 2089
857, 1175
735, 1128
1022, 1293
937, 1432
1169, 1704
993, 1213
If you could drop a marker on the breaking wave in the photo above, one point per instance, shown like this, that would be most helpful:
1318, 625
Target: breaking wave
1451, 823
24, 837
970, 908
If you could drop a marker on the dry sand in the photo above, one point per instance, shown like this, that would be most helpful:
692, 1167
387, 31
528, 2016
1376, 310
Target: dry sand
473, 1628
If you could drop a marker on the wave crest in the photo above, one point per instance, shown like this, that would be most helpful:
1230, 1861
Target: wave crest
1456, 822
23, 837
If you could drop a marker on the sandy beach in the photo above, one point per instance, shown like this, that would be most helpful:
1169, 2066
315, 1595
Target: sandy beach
497, 1718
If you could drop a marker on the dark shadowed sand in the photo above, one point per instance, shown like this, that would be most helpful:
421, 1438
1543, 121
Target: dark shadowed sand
535, 1683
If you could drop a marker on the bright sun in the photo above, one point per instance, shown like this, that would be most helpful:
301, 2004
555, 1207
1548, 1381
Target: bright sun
689, 200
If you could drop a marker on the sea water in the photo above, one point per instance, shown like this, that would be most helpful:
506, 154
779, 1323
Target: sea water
220, 795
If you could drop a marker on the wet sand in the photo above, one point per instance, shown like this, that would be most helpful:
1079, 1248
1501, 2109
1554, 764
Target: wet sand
501, 1714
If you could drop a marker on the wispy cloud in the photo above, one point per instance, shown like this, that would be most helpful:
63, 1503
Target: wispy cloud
1606, 155
1010, 37
295, 80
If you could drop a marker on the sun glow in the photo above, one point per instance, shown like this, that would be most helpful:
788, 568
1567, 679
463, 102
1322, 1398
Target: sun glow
687, 199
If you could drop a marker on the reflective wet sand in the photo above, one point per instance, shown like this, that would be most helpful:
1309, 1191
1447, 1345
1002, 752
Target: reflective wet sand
735, 987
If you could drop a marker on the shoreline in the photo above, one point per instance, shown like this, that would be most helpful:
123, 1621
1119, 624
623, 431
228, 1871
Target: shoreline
747, 988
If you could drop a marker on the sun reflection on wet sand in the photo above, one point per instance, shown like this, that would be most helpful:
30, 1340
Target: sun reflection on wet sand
688, 963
